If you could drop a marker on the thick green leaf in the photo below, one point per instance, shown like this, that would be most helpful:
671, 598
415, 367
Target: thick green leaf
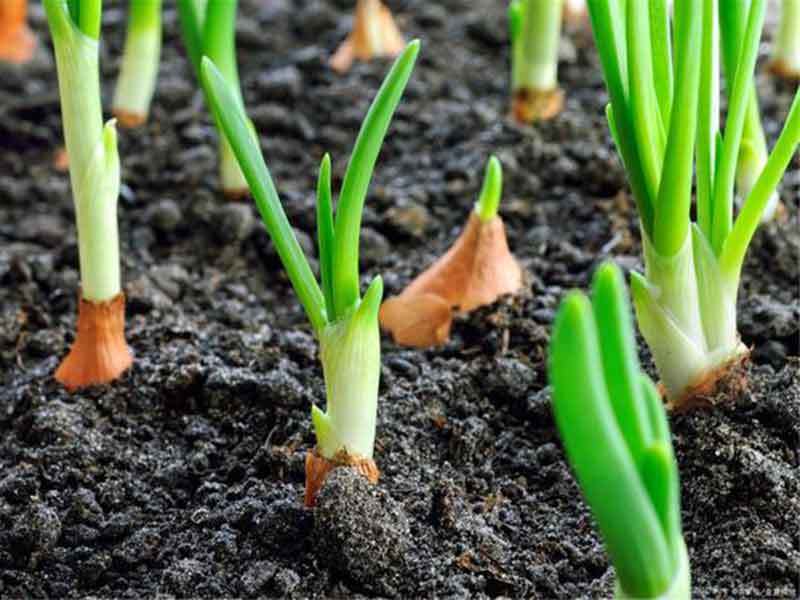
229, 113
661, 478
608, 26
357, 178
747, 222
620, 363
325, 234
675, 189
598, 453
722, 213
661, 41
708, 116
642, 94
219, 40
192, 19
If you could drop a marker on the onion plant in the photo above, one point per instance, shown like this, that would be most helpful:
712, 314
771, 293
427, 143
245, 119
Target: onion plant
346, 324
664, 91
99, 353
535, 31
786, 51
209, 29
616, 436
139, 71
17, 42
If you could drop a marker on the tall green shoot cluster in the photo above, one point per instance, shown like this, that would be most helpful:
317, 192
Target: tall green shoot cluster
92, 147
209, 29
345, 323
664, 109
616, 436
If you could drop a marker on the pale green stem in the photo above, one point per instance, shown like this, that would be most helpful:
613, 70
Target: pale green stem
535, 46
93, 157
139, 71
679, 589
787, 41
668, 312
350, 350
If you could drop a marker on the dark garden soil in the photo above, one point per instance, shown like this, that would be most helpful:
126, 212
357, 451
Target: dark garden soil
185, 478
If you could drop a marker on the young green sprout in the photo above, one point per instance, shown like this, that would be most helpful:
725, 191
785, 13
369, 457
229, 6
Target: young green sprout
209, 29
616, 437
664, 90
139, 71
99, 354
535, 30
375, 34
476, 270
753, 151
345, 323
17, 42
786, 51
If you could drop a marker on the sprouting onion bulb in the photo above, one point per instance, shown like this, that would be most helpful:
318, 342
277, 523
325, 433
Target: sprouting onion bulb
786, 51
209, 29
99, 354
664, 90
345, 323
139, 70
535, 30
475, 271
617, 439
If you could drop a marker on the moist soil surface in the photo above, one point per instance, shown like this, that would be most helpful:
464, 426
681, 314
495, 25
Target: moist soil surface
185, 478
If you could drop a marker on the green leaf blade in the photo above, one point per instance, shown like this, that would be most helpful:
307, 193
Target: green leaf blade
608, 28
358, 176
749, 218
491, 191
326, 234
734, 127
230, 115
599, 456
191, 14
620, 362
675, 189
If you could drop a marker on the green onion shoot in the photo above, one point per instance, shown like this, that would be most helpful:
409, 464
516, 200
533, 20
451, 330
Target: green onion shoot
753, 150
209, 29
99, 354
139, 71
786, 51
616, 437
535, 31
663, 82
345, 324
475, 271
